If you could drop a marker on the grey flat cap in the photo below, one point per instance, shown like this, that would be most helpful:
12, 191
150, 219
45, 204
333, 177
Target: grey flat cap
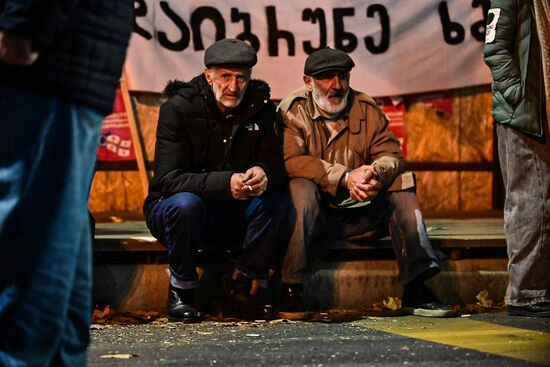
230, 51
327, 59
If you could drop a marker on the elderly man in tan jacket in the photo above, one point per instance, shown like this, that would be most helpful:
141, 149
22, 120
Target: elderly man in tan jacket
346, 179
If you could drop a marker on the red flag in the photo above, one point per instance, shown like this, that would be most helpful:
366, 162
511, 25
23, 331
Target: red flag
115, 142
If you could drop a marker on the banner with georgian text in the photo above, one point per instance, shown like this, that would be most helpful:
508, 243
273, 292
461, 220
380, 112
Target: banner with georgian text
399, 46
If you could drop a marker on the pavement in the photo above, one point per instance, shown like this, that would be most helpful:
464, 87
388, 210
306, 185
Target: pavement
486, 339
130, 276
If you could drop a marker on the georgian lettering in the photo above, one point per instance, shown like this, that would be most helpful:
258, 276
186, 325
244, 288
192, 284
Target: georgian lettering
246, 35
315, 16
182, 43
200, 15
274, 34
343, 40
140, 10
384, 43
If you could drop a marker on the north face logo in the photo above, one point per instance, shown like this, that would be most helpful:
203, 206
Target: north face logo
252, 126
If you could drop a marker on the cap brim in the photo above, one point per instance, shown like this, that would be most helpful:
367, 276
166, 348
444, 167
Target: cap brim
329, 69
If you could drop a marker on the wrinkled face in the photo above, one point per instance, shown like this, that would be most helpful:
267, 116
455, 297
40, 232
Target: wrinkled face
330, 89
228, 85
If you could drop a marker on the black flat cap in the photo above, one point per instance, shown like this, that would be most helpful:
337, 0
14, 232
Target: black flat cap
230, 51
327, 59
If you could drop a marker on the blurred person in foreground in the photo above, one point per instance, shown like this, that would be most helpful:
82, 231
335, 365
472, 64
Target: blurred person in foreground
347, 181
517, 50
219, 175
60, 63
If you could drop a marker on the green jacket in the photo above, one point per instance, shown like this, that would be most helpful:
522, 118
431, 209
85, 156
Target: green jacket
512, 52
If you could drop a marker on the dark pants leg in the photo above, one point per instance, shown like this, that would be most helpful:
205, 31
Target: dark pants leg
179, 223
265, 216
397, 211
304, 216
413, 250
183, 220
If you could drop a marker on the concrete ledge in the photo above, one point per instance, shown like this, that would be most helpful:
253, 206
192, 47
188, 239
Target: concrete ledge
130, 271
342, 285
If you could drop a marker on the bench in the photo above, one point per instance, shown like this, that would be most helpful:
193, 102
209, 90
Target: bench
130, 271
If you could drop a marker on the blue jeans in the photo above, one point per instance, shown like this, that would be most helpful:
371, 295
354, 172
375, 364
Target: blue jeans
182, 221
47, 154
396, 212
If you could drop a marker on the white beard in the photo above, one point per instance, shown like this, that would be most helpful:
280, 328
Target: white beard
323, 102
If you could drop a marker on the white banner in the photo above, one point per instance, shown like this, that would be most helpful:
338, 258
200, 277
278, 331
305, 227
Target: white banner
399, 47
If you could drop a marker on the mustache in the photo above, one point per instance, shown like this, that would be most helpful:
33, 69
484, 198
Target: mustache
336, 93
233, 94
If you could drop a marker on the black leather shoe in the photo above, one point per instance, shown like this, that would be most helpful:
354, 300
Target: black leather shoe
536, 310
239, 303
179, 307
419, 300
292, 303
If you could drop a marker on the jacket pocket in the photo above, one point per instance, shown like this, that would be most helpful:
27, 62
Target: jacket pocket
502, 111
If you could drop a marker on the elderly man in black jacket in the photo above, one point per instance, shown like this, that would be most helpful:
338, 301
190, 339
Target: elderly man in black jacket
218, 173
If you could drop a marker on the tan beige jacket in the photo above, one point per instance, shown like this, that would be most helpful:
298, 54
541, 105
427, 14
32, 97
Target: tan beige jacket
366, 139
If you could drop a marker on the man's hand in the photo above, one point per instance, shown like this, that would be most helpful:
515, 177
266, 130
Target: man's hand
16, 50
363, 184
254, 181
237, 187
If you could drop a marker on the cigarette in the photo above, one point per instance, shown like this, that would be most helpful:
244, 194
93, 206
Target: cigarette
249, 188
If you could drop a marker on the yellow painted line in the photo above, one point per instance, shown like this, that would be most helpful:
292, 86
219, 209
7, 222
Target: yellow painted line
528, 345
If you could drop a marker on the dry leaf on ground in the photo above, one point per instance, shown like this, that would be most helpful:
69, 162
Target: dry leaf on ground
119, 356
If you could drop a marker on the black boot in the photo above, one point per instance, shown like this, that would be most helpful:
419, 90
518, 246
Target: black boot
536, 310
240, 303
179, 305
292, 302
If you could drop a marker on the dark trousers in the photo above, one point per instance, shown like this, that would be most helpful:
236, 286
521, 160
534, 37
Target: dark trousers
182, 221
396, 211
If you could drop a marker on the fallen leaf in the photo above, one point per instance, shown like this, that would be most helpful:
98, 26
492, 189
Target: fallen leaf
119, 356
99, 327
393, 303
484, 299
115, 219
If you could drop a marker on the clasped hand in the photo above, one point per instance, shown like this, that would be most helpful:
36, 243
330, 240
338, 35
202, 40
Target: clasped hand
363, 184
249, 184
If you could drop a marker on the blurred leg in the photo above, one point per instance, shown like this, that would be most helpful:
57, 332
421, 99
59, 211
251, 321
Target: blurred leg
47, 151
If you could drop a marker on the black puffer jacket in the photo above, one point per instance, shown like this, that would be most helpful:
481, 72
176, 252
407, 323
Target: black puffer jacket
196, 150
82, 45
